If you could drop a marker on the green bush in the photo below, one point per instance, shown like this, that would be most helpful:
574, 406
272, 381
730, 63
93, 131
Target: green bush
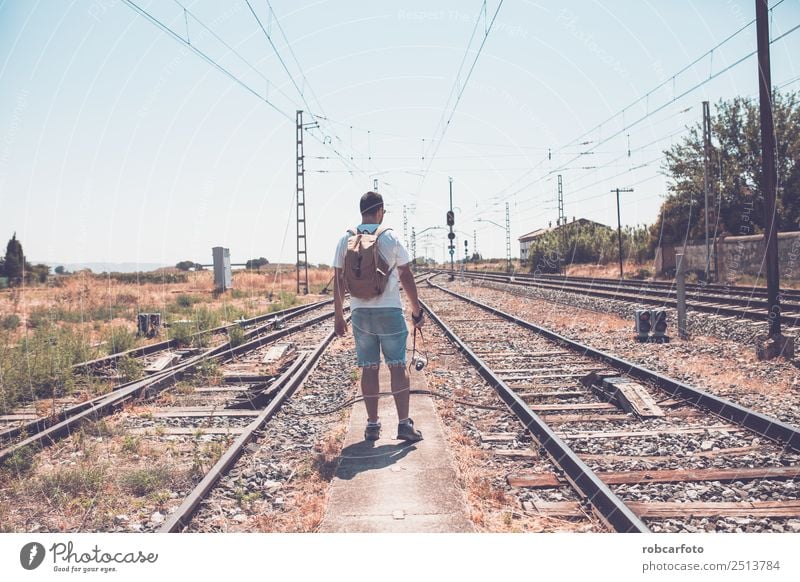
21, 461
185, 301
236, 336
120, 339
181, 332
129, 369
9, 322
40, 364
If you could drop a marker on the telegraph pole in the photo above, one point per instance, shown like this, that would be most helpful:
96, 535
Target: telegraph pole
706, 162
780, 345
619, 227
302, 256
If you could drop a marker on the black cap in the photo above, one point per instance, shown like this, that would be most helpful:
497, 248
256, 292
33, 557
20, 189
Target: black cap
371, 202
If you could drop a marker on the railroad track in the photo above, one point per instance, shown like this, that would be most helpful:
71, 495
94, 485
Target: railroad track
152, 354
641, 451
43, 431
698, 299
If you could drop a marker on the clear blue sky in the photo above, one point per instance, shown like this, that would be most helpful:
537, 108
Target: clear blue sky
119, 144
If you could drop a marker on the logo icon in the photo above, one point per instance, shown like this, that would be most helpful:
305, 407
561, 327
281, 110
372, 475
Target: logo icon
31, 556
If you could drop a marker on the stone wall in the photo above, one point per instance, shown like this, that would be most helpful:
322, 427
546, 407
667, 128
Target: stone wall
734, 256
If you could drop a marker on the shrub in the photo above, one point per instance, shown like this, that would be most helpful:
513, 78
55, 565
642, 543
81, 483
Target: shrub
236, 336
21, 461
9, 322
40, 365
185, 301
120, 339
181, 332
129, 369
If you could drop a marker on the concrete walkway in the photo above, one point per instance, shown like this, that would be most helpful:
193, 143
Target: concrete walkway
392, 486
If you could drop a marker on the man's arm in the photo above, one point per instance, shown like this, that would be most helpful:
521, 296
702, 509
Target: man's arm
340, 325
410, 287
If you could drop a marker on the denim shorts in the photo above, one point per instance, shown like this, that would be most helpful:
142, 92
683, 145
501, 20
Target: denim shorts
379, 329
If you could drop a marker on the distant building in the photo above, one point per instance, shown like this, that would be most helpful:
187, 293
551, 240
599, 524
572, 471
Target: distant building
526, 239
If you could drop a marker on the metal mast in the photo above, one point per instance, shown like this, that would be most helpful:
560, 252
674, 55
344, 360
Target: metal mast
302, 257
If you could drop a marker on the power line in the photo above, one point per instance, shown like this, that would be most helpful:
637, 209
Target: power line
204, 56
654, 111
463, 87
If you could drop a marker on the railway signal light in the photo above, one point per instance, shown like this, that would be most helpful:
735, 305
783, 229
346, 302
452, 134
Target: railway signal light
659, 323
643, 325
651, 320
451, 218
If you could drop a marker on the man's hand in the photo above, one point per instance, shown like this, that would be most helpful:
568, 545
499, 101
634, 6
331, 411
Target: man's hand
340, 326
418, 318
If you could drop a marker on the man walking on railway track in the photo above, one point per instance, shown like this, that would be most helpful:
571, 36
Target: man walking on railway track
371, 263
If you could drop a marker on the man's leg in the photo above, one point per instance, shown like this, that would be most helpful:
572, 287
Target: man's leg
400, 386
370, 386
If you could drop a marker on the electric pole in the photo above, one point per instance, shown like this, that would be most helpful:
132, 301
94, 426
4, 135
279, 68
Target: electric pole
508, 238
768, 178
302, 256
619, 227
475, 243
413, 247
562, 220
706, 162
405, 226
451, 220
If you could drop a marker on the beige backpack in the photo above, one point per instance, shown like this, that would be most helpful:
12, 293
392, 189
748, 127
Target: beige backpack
365, 270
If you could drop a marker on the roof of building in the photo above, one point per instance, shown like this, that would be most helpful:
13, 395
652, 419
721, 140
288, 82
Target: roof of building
540, 231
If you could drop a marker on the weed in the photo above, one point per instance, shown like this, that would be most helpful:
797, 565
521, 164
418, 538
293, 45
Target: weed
185, 301
246, 499
119, 339
208, 371
129, 368
236, 336
9, 322
71, 482
21, 462
141, 482
131, 444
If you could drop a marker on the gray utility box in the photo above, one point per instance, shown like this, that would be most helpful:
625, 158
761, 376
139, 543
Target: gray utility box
223, 280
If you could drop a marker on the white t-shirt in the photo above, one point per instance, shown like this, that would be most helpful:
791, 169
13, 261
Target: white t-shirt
393, 252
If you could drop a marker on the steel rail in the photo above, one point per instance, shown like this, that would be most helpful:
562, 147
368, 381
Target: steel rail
289, 381
711, 290
110, 402
764, 425
172, 343
40, 424
753, 310
608, 506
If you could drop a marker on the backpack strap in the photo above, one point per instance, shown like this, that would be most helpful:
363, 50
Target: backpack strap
381, 229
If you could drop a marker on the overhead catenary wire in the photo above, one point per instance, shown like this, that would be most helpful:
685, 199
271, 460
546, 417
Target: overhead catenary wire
446, 125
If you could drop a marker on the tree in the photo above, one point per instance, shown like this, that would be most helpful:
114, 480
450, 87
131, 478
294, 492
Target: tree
256, 263
15, 260
186, 265
736, 203
59, 270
